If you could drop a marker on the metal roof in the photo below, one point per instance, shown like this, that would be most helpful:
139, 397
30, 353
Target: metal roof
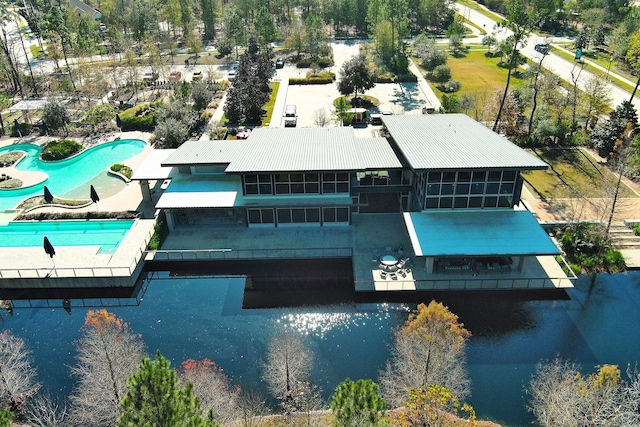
311, 149
455, 141
473, 232
204, 152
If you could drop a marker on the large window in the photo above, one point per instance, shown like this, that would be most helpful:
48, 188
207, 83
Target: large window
298, 216
469, 189
297, 183
261, 216
335, 215
335, 182
257, 184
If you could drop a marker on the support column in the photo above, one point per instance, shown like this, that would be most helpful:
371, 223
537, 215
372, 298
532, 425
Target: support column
146, 192
428, 264
520, 263
170, 221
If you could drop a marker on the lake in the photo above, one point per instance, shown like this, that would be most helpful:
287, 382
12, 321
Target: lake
202, 317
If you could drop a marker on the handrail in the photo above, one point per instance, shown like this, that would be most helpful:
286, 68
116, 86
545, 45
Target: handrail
466, 284
244, 254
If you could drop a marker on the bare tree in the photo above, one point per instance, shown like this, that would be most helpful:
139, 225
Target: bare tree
321, 117
45, 410
17, 376
108, 354
213, 389
287, 368
429, 350
561, 396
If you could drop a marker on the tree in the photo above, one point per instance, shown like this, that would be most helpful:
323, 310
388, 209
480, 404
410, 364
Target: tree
55, 115
489, 41
213, 389
633, 59
287, 368
355, 77
108, 354
430, 54
17, 375
519, 21
321, 117
46, 411
357, 403
560, 396
429, 350
441, 74
98, 114
597, 96
201, 95
209, 13
170, 133
341, 114
156, 398
431, 407
5, 418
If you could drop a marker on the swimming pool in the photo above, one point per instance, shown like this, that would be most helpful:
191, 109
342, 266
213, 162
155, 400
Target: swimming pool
104, 233
67, 176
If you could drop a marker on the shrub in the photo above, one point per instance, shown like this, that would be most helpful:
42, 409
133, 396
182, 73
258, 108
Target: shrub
61, 149
141, 117
160, 232
388, 77
321, 78
636, 229
122, 170
25, 129
441, 74
450, 86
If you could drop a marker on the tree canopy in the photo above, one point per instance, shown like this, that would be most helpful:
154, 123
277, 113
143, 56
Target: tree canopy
355, 77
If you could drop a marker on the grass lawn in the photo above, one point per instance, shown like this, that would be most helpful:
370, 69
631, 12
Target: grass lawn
572, 173
477, 73
269, 106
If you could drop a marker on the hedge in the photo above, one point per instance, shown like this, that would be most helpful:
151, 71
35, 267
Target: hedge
61, 149
139, 117
323, 62
315, 79
393, 78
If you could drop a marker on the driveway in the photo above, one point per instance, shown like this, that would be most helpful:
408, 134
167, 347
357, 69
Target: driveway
400, 98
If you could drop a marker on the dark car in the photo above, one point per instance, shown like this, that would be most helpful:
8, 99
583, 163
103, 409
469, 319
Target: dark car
279, 63
542, 48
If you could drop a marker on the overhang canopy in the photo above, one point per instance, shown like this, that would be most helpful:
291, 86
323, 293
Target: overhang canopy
202, 192
477, 233
151, 168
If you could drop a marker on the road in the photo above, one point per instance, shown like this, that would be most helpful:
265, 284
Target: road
554, 63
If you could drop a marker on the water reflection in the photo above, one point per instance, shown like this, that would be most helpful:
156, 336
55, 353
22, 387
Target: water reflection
196, 317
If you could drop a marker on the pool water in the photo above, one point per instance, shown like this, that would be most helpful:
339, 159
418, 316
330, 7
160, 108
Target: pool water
104, 233
67, 177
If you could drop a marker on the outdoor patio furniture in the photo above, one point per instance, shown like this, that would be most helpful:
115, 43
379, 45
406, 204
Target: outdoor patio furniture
383, 275
403, 273
394, 276
388, 260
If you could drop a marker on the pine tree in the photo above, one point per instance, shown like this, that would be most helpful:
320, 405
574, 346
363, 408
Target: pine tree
357, 403
156, 399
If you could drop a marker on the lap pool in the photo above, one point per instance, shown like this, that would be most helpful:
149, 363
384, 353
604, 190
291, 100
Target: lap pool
70, 177
107, 234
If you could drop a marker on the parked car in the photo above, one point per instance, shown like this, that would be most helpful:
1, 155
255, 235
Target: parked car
542, 48
231, 76
197, 75
174, 75
150, 77
102, 27
236, 64
279, 63
290, 116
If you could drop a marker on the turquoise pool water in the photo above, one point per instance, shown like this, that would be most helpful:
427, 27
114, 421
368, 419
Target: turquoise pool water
66, 177
104, 233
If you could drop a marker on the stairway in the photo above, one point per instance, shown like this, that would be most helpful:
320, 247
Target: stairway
622, 237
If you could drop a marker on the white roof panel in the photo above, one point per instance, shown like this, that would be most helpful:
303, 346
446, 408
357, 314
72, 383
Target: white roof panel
151, 168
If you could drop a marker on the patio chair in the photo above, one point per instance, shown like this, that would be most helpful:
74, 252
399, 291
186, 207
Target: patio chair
394, 276
392, 268
403, 273
382, 267
383, 275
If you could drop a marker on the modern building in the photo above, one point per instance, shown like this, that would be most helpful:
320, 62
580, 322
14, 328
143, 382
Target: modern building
455, 183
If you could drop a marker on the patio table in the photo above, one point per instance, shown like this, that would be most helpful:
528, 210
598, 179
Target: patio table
388, 260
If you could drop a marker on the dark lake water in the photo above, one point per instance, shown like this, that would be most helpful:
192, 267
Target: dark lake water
191, 317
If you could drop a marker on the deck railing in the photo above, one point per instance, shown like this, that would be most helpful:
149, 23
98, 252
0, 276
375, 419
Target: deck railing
246, 254
465, 284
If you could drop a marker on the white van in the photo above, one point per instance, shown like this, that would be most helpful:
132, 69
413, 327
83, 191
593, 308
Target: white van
290, 116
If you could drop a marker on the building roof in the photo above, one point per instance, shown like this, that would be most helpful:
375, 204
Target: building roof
151, 168
204, 153
202, 192
487, 232
454, 141
311, 149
